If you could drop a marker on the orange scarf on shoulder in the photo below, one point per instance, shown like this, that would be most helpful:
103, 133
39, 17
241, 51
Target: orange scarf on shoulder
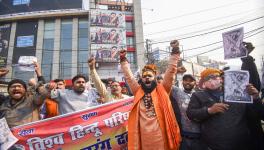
166, 119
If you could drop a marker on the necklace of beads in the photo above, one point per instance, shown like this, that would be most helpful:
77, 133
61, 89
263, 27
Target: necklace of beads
150, 110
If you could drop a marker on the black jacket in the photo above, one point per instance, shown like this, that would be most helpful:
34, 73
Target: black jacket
248, 63
254, 114
223, 131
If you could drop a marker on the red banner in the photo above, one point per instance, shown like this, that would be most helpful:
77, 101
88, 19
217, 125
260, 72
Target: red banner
102, 127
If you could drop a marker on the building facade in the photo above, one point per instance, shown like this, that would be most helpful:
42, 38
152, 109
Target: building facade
63, 34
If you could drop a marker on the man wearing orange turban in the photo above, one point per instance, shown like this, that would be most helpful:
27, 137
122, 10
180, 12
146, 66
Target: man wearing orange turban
152, 124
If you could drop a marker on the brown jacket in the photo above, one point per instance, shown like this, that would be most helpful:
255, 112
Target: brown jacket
24, 111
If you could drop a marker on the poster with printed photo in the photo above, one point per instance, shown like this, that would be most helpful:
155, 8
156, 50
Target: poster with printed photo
235, 87
4, 42
107, 18
106, 52
7, 139
232, 41
115, 36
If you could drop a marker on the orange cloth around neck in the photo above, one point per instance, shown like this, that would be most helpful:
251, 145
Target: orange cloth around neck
165, 116
51, 108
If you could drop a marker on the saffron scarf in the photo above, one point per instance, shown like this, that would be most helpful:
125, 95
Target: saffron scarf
166, 119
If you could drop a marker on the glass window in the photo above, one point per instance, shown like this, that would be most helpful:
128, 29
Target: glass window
65, 64
130, 41
49, 25
66, 33
66, 49
82, 62
131, 57
48, 49
83, 23
83, 32
66, 44
83, 46
129, 26
47, 65
49, 34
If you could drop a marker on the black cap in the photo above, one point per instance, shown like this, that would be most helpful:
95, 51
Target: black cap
17, 81
188, 76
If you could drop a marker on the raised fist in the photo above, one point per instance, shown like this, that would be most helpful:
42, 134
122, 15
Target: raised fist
122, 55
175, 47
91, 63
181, 69
3, 71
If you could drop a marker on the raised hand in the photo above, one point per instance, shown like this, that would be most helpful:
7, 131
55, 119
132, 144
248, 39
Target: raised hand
3, 71
175, 47
91, 63
37, 68
181, 69
122, 55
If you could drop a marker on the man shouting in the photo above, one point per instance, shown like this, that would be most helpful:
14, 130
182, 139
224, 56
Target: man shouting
152, 124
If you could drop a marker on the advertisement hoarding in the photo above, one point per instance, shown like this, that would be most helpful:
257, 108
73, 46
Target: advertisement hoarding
4, 43
100, 35
105, 18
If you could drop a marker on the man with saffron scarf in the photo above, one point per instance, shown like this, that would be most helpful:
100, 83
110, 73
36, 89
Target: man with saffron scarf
152, 124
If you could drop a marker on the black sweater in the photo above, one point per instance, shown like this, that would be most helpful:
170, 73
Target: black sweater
222, 131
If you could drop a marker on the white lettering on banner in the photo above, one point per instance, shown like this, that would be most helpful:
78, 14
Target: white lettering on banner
116, 119
37, 143
78, 131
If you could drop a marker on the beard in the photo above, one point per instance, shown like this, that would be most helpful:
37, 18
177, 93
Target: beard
79, 90
149, 89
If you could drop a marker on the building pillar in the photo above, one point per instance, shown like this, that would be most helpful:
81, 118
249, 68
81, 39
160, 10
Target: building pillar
139, 40
11, 49
56, 53
39, 46
75, 26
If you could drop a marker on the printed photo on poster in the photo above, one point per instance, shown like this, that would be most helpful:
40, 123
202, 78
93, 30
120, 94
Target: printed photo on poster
106, 52
7, 139
108, 36
235, 87
106, 18
232, 41
4, 42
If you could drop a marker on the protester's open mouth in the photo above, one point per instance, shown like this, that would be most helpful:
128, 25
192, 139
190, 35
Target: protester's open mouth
148, 84
17, 93
188, 85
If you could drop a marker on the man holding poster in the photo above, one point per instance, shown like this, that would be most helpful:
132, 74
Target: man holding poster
223, 125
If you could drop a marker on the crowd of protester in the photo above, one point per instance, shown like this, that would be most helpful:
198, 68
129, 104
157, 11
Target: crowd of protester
193, 117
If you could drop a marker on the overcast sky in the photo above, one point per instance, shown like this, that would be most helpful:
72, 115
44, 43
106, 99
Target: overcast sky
188, 19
